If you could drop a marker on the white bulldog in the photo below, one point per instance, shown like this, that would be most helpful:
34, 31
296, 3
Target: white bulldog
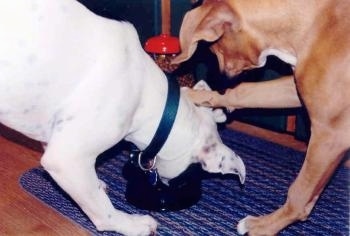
81, 83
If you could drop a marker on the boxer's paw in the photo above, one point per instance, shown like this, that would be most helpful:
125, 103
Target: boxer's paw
242, 227
256, 226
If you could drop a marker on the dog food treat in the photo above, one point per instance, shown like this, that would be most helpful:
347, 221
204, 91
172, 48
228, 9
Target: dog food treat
164, 62
186, 80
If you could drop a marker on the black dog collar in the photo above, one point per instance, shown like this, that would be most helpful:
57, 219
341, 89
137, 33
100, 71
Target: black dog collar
146, 159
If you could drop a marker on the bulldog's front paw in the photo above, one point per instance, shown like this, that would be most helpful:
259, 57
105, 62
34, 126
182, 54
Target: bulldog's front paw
142, 225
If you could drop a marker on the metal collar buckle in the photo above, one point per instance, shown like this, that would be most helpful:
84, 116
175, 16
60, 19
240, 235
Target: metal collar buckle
148, 166
136, 157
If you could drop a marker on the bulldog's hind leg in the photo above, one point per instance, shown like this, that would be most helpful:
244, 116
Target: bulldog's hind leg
70, 160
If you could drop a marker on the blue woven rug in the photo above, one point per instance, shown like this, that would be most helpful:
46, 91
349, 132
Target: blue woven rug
270, 170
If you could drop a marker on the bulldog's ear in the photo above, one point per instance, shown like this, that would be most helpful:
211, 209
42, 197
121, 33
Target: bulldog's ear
207, 22
219, 158
202, 85
218, 114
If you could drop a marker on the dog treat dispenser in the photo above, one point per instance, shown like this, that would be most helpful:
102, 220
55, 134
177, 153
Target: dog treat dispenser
163, 48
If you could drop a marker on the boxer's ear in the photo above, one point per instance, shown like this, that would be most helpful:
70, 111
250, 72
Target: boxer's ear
207, 22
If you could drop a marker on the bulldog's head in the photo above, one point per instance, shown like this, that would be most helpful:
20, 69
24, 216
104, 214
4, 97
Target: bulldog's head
195, 139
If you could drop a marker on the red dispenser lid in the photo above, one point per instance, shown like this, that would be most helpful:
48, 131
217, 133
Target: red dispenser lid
163, 44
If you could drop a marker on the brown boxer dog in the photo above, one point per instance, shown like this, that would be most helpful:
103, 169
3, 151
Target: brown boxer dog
314, 37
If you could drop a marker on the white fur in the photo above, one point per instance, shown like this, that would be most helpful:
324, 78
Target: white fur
284, 56
242, 227
81, 83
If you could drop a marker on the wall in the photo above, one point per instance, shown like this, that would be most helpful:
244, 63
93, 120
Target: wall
144, 14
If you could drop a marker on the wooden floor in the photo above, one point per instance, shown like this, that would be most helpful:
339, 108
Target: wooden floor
21, 214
